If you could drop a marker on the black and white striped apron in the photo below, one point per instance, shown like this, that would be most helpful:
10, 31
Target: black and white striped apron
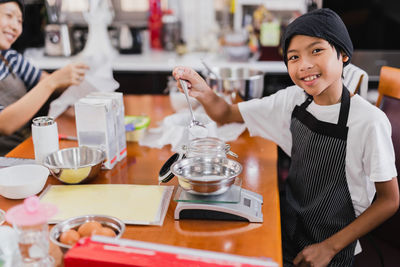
317, 202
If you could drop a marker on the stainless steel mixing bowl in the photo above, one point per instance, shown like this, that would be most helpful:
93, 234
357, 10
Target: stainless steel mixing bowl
75, 165
73, 223
249, 83
206, 175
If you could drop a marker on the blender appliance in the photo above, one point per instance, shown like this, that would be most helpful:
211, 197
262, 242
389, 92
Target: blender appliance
57, 33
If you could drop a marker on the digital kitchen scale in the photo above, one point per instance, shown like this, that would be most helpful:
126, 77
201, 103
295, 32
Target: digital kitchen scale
247, 207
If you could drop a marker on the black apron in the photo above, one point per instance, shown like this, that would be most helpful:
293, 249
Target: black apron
317, 202
12, 88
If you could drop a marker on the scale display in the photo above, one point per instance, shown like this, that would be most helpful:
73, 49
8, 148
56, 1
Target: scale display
248, 208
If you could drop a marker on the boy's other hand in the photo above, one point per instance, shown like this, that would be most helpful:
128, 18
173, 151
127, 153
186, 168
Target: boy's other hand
316, 255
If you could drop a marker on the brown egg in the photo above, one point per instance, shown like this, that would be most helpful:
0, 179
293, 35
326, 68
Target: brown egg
70, 237
87, 228
106, 231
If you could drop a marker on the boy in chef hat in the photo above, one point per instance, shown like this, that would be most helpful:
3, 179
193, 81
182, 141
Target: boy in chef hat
23, 87
340, 145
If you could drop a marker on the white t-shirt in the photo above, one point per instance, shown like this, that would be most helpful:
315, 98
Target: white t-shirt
369, 153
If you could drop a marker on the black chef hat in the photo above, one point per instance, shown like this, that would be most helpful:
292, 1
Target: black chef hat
19, 2
322, 23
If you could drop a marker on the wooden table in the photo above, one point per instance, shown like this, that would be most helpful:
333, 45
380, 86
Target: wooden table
258, 157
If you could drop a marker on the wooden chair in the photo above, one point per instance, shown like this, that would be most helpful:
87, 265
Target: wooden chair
389, 84
384, 241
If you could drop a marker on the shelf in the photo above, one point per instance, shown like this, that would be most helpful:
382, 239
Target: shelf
274, 5
155, 61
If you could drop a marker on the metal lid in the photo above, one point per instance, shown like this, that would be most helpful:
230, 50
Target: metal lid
43, 121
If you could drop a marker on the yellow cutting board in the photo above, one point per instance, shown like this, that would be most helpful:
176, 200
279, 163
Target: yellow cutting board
133, 204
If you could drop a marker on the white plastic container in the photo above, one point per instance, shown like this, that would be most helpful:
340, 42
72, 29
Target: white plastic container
136, 127
45, 137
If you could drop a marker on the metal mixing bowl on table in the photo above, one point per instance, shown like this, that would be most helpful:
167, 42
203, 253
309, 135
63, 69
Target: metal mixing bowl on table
206, 175
75, 165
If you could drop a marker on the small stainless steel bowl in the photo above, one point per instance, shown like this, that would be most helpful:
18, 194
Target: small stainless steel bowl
73, 223
75, 165
206, 175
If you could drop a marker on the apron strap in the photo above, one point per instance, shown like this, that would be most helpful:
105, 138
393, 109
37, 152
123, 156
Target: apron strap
308, 101
344, 106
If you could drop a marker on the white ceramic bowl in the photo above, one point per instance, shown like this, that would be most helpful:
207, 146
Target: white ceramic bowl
22, 181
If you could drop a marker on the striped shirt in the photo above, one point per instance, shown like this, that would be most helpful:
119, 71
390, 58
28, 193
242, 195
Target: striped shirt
28, 73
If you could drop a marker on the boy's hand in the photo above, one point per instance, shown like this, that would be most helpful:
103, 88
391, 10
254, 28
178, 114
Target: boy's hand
216, 107
316, 255
196, 84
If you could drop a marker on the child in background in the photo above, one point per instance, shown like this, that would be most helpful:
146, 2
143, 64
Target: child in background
340, 145
24, 88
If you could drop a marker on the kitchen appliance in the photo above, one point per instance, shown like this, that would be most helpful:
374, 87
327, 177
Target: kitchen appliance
219, 199
58, 40
237, 204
